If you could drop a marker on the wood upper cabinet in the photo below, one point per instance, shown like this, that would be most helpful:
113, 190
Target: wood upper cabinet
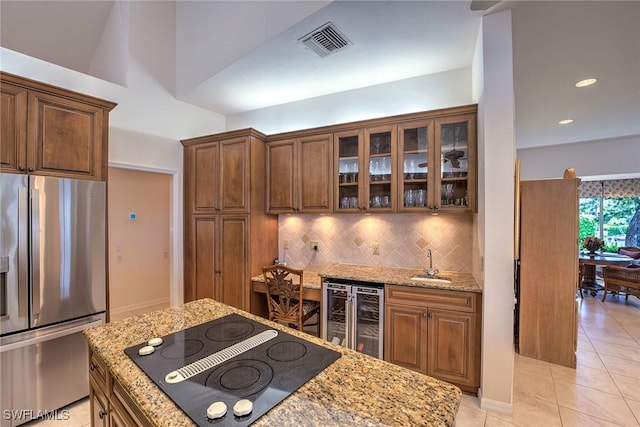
219, 177
455, 183
13, 132
228, 236
412, 163
416, 171
435, 332
300, 175
51, 131
379, 175
365, 169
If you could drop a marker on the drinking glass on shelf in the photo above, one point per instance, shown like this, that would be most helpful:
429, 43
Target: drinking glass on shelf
375, 169
447, 191
408, 198
412, 168
421, 197
344, 202
385, 201
353, 202
376, 144
384, 167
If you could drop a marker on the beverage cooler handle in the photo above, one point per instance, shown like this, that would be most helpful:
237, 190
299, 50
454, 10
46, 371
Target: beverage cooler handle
349, 333
35, 253
23, 250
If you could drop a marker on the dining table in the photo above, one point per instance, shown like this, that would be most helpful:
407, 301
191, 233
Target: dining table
587, 268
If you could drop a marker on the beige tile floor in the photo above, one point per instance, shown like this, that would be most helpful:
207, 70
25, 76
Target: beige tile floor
599, 392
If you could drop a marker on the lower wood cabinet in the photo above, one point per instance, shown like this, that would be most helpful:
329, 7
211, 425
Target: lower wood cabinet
109, 403
435, 332
219, 254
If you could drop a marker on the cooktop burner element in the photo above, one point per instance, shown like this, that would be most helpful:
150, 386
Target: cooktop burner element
265, 367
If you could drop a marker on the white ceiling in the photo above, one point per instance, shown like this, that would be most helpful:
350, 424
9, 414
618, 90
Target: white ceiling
258, 62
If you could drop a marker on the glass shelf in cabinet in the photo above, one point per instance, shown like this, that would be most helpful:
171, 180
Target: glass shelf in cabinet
414, 152
380, 182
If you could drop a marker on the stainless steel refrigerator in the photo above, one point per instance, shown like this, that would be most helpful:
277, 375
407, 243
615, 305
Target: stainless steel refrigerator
353, 315
52, 287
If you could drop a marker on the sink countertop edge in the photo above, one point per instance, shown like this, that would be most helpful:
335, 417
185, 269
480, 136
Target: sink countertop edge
400, 276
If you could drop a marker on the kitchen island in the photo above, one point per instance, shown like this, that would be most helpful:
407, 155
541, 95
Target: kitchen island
354, 390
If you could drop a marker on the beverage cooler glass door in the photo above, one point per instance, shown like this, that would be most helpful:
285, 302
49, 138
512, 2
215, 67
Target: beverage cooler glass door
369, 320
336, 313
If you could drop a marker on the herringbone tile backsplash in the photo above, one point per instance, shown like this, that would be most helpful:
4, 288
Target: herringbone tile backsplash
403, 239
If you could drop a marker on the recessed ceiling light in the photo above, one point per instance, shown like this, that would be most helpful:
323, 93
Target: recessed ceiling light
565, 121
586, 82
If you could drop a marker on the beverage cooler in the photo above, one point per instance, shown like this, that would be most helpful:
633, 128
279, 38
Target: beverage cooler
353, 315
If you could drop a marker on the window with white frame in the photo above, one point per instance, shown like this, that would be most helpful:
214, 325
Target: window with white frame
610, 210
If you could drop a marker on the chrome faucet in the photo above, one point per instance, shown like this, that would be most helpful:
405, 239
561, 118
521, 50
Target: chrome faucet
431, 272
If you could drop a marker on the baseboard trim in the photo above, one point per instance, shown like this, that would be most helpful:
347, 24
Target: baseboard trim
494, 405
138, 306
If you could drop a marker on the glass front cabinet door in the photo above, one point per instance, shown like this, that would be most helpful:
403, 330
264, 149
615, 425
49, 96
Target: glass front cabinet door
348, 149
415, 166
455, 186
379, 159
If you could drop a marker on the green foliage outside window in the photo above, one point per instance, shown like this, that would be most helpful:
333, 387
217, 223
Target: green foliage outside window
620, 221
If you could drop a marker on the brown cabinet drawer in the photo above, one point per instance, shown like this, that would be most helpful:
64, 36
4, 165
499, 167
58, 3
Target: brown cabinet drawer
432, 298
98, 371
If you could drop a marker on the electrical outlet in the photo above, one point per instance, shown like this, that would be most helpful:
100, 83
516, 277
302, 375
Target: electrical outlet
314, 244
285, 244
376, 248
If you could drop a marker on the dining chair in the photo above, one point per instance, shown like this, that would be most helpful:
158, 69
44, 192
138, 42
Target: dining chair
624, 279
284, 298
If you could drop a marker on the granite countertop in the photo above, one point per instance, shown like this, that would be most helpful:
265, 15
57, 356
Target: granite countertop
400, 276
354, 390
388, 275
311, 279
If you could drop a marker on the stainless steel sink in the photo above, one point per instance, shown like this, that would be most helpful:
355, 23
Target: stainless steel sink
426, 278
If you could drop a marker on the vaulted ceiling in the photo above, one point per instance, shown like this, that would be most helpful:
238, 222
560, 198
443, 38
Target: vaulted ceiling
237, 56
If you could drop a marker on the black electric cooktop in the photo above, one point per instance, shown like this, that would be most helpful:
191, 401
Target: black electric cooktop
265, 374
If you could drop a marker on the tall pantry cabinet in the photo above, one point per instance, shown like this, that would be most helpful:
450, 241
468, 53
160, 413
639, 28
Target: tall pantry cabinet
228, 237
549, 270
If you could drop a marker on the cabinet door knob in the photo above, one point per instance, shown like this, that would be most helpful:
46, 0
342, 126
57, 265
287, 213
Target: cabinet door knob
30, 169
424, 314
20, 168
102, 414
92, 367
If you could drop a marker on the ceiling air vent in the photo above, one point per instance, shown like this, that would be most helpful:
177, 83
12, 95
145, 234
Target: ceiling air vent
325, 40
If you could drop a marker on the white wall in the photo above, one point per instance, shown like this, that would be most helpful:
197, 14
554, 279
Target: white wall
606, 157
441, 90
496, 148
148, 123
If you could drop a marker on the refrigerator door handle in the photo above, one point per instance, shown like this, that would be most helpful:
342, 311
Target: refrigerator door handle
60, 332
350, 320
23, 251
35, 254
